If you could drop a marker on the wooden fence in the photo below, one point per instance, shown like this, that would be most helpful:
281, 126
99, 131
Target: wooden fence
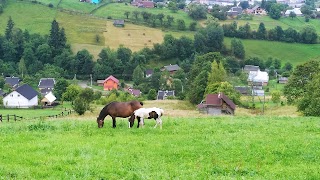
14, 117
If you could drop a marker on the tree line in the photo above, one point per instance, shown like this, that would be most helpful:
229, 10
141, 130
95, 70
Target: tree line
306, 35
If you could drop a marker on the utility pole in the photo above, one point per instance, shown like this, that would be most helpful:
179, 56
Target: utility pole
91, 79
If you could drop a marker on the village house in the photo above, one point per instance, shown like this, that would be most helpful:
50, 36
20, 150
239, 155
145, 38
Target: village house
162, 95
12, 81
23, 97
297, 11
234, 11
142, 3
134, 92
244, 90
258, 77
46, 85
283, 80
171, 68
256, 10
248, 68
110, 83
149, 72
48, 99
217, 104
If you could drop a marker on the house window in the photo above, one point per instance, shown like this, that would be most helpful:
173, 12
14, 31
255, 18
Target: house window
11, 95
18, 95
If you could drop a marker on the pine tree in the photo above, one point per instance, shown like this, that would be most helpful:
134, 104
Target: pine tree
9, 29
217, 75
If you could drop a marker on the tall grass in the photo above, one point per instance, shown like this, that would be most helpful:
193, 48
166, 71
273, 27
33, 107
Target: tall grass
186, 148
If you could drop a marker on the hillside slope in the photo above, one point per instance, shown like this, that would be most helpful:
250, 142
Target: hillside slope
82, 29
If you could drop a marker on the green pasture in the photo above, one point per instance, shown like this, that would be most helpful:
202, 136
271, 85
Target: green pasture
286, 52
77, 6
47, 2
31, 113
117, 10
221, 147
82, 29
35, 18
285, 22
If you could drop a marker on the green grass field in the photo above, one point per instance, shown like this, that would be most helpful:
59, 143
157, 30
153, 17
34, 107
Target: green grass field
204, 147
286, 52
285, 22
82, 29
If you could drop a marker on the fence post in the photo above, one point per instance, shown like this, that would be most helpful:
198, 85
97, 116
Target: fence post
62, 113
1, 117
15, 117
8, 117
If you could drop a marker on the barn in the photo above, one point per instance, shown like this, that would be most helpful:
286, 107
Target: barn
217, 104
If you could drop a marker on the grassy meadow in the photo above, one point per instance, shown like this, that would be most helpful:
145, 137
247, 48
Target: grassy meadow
190, 146
286, 52
82, 29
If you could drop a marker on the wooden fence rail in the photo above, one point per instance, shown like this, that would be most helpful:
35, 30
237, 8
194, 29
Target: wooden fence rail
15, 117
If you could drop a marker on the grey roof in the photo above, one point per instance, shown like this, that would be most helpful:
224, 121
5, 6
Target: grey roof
45, 91
163, 94
13, 81
242, 89
170, 68
251, 68
149, 71
46, 83
27, 91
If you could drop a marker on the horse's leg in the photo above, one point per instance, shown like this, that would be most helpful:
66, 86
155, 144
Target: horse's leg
158, 121
142, 122
114, 122
138, 121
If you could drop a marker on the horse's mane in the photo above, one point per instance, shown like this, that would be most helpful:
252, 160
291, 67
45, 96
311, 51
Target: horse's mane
103, 112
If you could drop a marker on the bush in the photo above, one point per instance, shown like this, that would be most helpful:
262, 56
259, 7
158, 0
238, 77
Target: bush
80, 106
50, 5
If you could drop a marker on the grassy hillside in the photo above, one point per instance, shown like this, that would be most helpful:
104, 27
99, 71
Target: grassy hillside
190, 146
285, 22
81, 29
286, 52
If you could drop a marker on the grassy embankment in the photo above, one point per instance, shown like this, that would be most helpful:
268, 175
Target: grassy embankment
190, 146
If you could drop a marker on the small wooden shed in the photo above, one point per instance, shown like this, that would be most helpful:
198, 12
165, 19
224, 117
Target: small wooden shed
217, 104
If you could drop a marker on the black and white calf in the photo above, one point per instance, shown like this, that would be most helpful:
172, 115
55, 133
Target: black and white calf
149, 113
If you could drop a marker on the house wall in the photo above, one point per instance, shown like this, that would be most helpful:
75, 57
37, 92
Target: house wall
109, 85
213, 111
15, 99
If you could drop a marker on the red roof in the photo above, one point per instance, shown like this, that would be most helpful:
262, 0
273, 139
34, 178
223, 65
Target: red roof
112, 78
216, 100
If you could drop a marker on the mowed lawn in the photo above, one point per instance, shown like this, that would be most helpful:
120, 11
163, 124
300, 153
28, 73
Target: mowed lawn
186, 148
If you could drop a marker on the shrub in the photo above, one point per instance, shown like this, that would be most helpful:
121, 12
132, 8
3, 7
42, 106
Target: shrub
50, 5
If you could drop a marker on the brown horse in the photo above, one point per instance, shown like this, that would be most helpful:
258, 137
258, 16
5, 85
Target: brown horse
118, 109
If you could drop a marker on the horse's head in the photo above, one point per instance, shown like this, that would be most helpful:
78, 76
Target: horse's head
100, 122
